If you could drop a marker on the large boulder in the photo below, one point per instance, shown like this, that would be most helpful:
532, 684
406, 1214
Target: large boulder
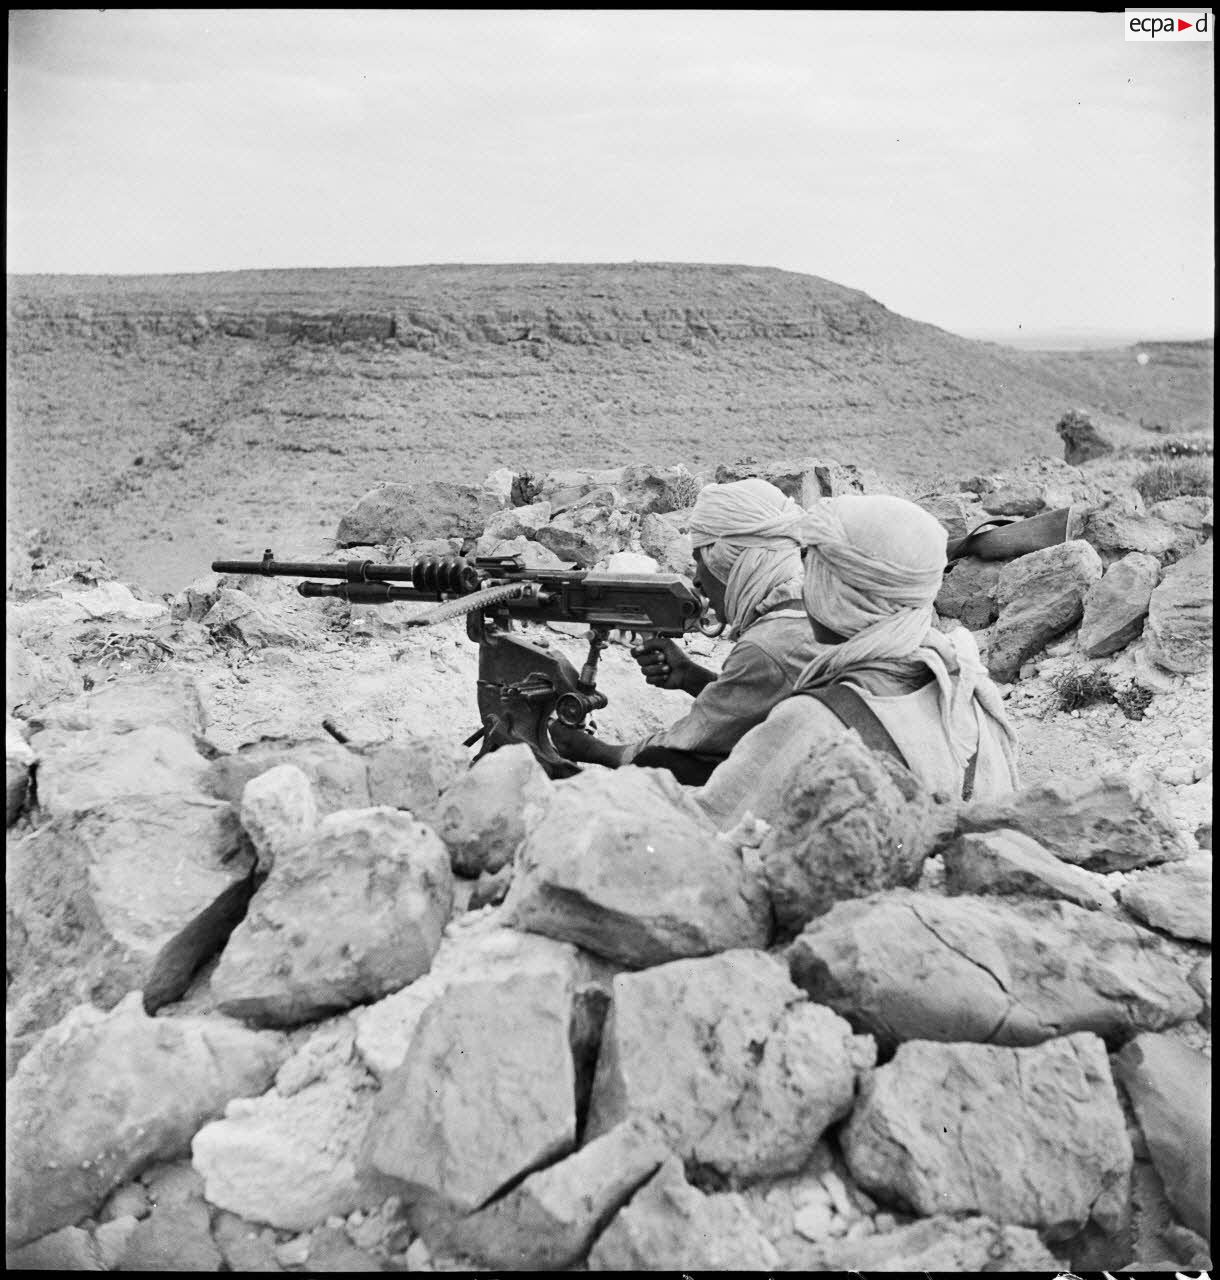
1116, 531
291, 1158
968, 593
651, 490
167, 700
484, 816
804, 480
754, 1074
1009, 863
338, 775
907, 965
1179, 627
348, 914
1176, 898
1115, 822
563, 488
850, 821
236, 616
459, 1126
1016, 498
277, 810
667, 540
1115, 607
134, 895
550, 1220
85, 769
1082, 442
591, 529
160, 1079
412, 774
626, 865
1030, 1136
1170, 1087
33, 680
418, 509
477, 947
1040, 595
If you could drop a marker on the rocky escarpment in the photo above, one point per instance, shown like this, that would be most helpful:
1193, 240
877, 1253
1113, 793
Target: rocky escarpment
429, 307
148, 409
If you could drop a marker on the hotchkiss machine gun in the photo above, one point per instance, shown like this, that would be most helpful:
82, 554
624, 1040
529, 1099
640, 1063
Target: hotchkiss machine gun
521, 682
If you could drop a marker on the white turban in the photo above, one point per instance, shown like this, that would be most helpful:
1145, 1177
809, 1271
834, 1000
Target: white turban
747, 530
873, 569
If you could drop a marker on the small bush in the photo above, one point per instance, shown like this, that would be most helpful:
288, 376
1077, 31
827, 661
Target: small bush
1082, 689
1076, 689
1174, 479
1133, 700
684, 490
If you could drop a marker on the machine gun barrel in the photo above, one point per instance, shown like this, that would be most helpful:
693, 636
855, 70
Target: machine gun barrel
449, 575
521, 683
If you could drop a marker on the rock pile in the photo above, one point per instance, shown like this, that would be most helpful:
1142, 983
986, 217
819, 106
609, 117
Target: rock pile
255, 1022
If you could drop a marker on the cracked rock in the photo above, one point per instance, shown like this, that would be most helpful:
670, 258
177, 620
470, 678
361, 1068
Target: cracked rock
671, 1226
907, 965
1170, 1087
1034, 1137
1114, 822
486, 1092
754, 1073
626, 865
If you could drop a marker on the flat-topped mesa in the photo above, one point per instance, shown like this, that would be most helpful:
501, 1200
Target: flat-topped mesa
453, 306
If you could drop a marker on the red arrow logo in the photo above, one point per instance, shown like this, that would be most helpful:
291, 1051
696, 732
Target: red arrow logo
1184, 26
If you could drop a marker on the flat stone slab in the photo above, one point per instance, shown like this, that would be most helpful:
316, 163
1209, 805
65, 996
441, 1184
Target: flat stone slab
1170, 1087
1007, 862
907, 965
1114, 822
1176, 898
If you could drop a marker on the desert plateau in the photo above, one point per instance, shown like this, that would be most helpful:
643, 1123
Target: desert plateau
304, 997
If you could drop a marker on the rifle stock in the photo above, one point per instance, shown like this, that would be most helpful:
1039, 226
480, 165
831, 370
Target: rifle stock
1005, 538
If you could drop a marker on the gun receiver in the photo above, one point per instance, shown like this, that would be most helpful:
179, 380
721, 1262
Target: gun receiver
521, 683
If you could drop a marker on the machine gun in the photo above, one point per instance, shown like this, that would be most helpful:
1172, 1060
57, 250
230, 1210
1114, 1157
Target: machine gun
521, 682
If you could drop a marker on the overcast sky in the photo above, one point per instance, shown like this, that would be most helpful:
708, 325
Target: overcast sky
981, 171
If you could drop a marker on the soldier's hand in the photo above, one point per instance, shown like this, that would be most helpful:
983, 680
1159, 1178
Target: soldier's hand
582, 746
663, 662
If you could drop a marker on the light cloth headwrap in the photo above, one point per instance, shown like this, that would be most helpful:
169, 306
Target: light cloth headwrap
747, 532
873, 569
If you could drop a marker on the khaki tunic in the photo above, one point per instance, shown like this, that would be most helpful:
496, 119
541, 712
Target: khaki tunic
753, 779
760, 672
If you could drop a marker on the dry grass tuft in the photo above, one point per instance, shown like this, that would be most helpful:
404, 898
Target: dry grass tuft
1186, 476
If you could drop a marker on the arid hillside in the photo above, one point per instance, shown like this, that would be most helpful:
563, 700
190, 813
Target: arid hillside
158, 421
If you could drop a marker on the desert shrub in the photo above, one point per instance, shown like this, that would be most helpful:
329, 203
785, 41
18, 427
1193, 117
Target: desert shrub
1174, 479
1082, 689
1133, 701
685, 489
1075, 689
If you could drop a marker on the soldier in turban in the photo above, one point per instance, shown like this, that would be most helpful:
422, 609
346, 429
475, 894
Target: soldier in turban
873, 567
748, 564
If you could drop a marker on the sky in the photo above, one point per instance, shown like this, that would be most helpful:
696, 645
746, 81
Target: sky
992, 172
